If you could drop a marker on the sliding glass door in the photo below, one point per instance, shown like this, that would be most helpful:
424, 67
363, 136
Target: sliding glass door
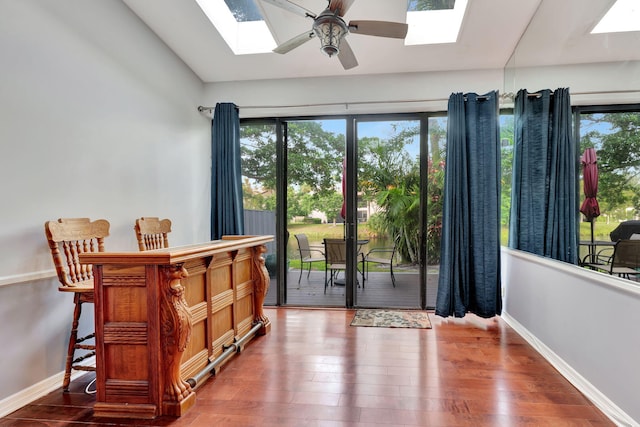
354, 203
315, 152
388, 212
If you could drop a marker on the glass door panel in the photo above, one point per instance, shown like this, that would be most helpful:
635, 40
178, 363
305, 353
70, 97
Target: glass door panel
389, 213
258, 148
315, 153
436, 137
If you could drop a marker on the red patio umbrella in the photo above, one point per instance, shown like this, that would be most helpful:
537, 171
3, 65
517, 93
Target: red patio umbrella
590, 207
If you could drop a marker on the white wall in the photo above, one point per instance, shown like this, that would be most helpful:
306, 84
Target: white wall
605, 83
584, 322
589, 84
385, 93
97, 119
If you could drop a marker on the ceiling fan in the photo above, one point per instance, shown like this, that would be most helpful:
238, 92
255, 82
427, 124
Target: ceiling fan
330, 27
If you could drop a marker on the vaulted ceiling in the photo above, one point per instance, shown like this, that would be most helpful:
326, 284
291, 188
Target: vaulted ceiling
494, 33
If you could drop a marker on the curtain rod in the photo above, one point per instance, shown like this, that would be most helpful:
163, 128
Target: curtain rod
509, 96
346, 104
328, 104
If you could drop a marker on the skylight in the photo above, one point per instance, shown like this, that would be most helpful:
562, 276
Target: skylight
241, 25
436, 24
623, 16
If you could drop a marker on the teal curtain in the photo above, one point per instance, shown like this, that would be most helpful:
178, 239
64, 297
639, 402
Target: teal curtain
544, 203
470, 253
227, 214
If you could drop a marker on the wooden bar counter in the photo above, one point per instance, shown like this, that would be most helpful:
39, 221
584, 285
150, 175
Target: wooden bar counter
162, 316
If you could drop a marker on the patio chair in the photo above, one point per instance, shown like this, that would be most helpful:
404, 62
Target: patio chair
308, 254
335, 251
336, 260
386, 255
624, 262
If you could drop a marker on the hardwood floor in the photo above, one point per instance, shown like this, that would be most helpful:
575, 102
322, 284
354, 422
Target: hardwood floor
313, 369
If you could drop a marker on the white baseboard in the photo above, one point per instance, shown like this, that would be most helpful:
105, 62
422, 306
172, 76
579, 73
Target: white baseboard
610, 409
24, 397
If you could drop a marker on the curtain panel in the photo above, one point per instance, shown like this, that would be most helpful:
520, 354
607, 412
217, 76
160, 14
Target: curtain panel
544, 205
227, 214
470, 253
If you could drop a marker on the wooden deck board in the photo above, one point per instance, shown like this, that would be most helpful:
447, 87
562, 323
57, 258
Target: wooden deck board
378, 291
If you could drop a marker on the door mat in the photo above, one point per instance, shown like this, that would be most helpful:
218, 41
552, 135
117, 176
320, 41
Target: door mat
392, 319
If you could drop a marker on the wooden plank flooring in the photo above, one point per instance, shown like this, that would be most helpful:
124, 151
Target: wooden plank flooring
313, 369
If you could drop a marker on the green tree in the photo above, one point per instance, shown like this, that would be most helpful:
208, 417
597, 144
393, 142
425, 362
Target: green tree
389, 176
401, 215
330, 204
616, 138
506, 160
257, 200
312, 156
385, 162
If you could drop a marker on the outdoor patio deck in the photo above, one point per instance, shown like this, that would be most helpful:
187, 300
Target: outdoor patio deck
378, 291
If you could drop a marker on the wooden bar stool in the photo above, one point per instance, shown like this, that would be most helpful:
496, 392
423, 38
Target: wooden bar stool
152, 233
69, 237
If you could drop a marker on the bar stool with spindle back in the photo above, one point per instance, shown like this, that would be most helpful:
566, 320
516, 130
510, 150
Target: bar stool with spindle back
68, 238
152, 233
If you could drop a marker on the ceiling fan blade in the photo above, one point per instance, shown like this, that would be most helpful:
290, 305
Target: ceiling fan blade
341, 5
294, 42
394, 30
292, 7
346, 56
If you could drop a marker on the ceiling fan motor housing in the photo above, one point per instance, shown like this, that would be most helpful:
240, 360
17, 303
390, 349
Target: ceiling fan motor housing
330, 29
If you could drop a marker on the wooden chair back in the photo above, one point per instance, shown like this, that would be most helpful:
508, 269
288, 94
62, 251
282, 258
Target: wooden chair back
152, 233
68, 238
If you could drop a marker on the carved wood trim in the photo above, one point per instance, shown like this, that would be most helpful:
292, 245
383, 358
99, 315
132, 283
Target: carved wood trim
175, 330
125, 333
222, 300
127, 387
199, 312
261, 283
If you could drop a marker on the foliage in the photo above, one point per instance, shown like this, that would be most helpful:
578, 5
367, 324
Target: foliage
388, 175
435, 189
312, 156
244, 10
384, 162
422, 5
330, 205
255, 200
616, 138
506, 135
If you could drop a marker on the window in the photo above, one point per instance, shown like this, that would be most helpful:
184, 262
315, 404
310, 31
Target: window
433, 21
241, 25
614, 132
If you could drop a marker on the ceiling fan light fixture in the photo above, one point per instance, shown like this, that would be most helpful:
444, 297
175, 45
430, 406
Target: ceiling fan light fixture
330, 29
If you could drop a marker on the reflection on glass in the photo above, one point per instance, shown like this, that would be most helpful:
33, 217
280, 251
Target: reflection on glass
258, 149
616, 139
